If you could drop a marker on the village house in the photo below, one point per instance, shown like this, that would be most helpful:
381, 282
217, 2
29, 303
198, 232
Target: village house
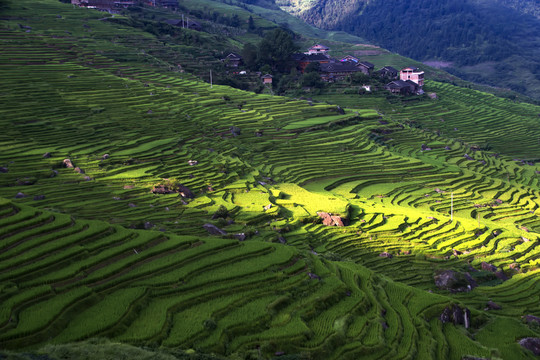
388, 72
401, 87
187, 23
232, 60
365, 67
350, 58
303, 60
338, 70
267, 79
103, 4
412, 73
171, 4
318, 49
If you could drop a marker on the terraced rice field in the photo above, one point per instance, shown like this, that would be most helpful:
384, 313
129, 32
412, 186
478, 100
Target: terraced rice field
109, 257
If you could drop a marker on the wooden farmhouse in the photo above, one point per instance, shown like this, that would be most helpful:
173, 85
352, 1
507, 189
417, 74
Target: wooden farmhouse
187, 24
338, 70
388, 72
171, 4
350, 58
267, 79
232, 60
401, 87
303, 60
365, 67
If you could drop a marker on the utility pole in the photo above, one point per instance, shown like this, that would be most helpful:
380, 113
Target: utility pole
211, 85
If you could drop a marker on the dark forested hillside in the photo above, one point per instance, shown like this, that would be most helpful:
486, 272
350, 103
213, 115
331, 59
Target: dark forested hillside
492, 42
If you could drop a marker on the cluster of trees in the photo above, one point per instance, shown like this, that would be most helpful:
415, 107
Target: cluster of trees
272, 54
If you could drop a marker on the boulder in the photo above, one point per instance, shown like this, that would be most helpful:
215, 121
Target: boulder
314, 276
47, 155
20, 195
446, 315
532, 344
161, 189
488, 267
492, 306
67, 163
337, 220
331, 220
531, 319
501, 275
79, 170
235, 130
447, 279
4, 170
240, 236
214, 230
26, 181
185, 192
282, 240
39, 197
105, 156
470, 280
456, 315
386, 255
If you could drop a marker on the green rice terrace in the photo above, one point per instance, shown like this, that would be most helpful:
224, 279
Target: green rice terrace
146, 207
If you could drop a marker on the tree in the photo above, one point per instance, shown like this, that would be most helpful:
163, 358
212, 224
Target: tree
276, 49
312, 67
251, 23
249, 56
360, 78
312, 79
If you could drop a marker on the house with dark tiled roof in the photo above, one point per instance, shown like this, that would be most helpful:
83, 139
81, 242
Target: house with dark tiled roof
388, 72
350, 58
365, 67
401, 87
267, 79
338, 70
232, 60
303, 60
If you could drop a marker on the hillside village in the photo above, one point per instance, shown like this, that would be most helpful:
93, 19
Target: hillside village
410, 81
407, 81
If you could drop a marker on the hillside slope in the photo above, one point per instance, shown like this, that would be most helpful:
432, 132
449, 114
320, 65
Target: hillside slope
140, 204
494, 43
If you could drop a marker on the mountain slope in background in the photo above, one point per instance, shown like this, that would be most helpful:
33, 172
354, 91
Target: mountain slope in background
496, 43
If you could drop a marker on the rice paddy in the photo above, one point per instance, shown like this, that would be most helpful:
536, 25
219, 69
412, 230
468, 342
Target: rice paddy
119, 245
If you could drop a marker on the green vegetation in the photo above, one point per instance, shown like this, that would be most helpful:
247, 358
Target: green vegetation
490, 42
120, 245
